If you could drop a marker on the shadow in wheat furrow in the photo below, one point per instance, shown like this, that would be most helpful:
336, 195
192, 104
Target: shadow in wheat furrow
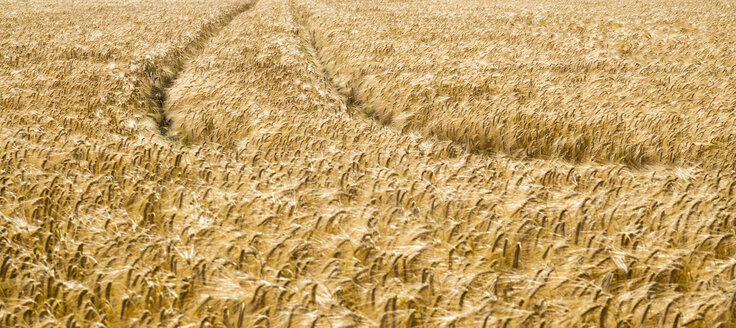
161, 76
532, 136
355, 105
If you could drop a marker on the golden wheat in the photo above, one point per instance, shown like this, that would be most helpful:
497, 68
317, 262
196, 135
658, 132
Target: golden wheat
315, 163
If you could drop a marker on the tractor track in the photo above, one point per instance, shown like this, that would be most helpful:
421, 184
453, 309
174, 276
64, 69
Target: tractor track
354, 105
160, 77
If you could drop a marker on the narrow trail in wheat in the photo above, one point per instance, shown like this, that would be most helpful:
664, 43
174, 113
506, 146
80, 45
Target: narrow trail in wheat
163, 77
359, 107
371, 90
306, 34
354, 106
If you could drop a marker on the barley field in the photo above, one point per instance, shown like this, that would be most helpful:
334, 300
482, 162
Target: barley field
367, 163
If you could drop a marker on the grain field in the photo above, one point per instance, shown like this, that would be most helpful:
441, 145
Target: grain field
367, 163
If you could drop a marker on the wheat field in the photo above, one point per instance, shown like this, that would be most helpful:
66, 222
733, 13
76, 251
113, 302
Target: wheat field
367, 163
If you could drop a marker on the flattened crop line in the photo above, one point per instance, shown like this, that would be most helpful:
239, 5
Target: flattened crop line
159, 77
306, 34
360, 107
354, 105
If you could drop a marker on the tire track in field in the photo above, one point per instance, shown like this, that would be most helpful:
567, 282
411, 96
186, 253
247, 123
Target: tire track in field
306, 34
162, 76
360, 107
354, 105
